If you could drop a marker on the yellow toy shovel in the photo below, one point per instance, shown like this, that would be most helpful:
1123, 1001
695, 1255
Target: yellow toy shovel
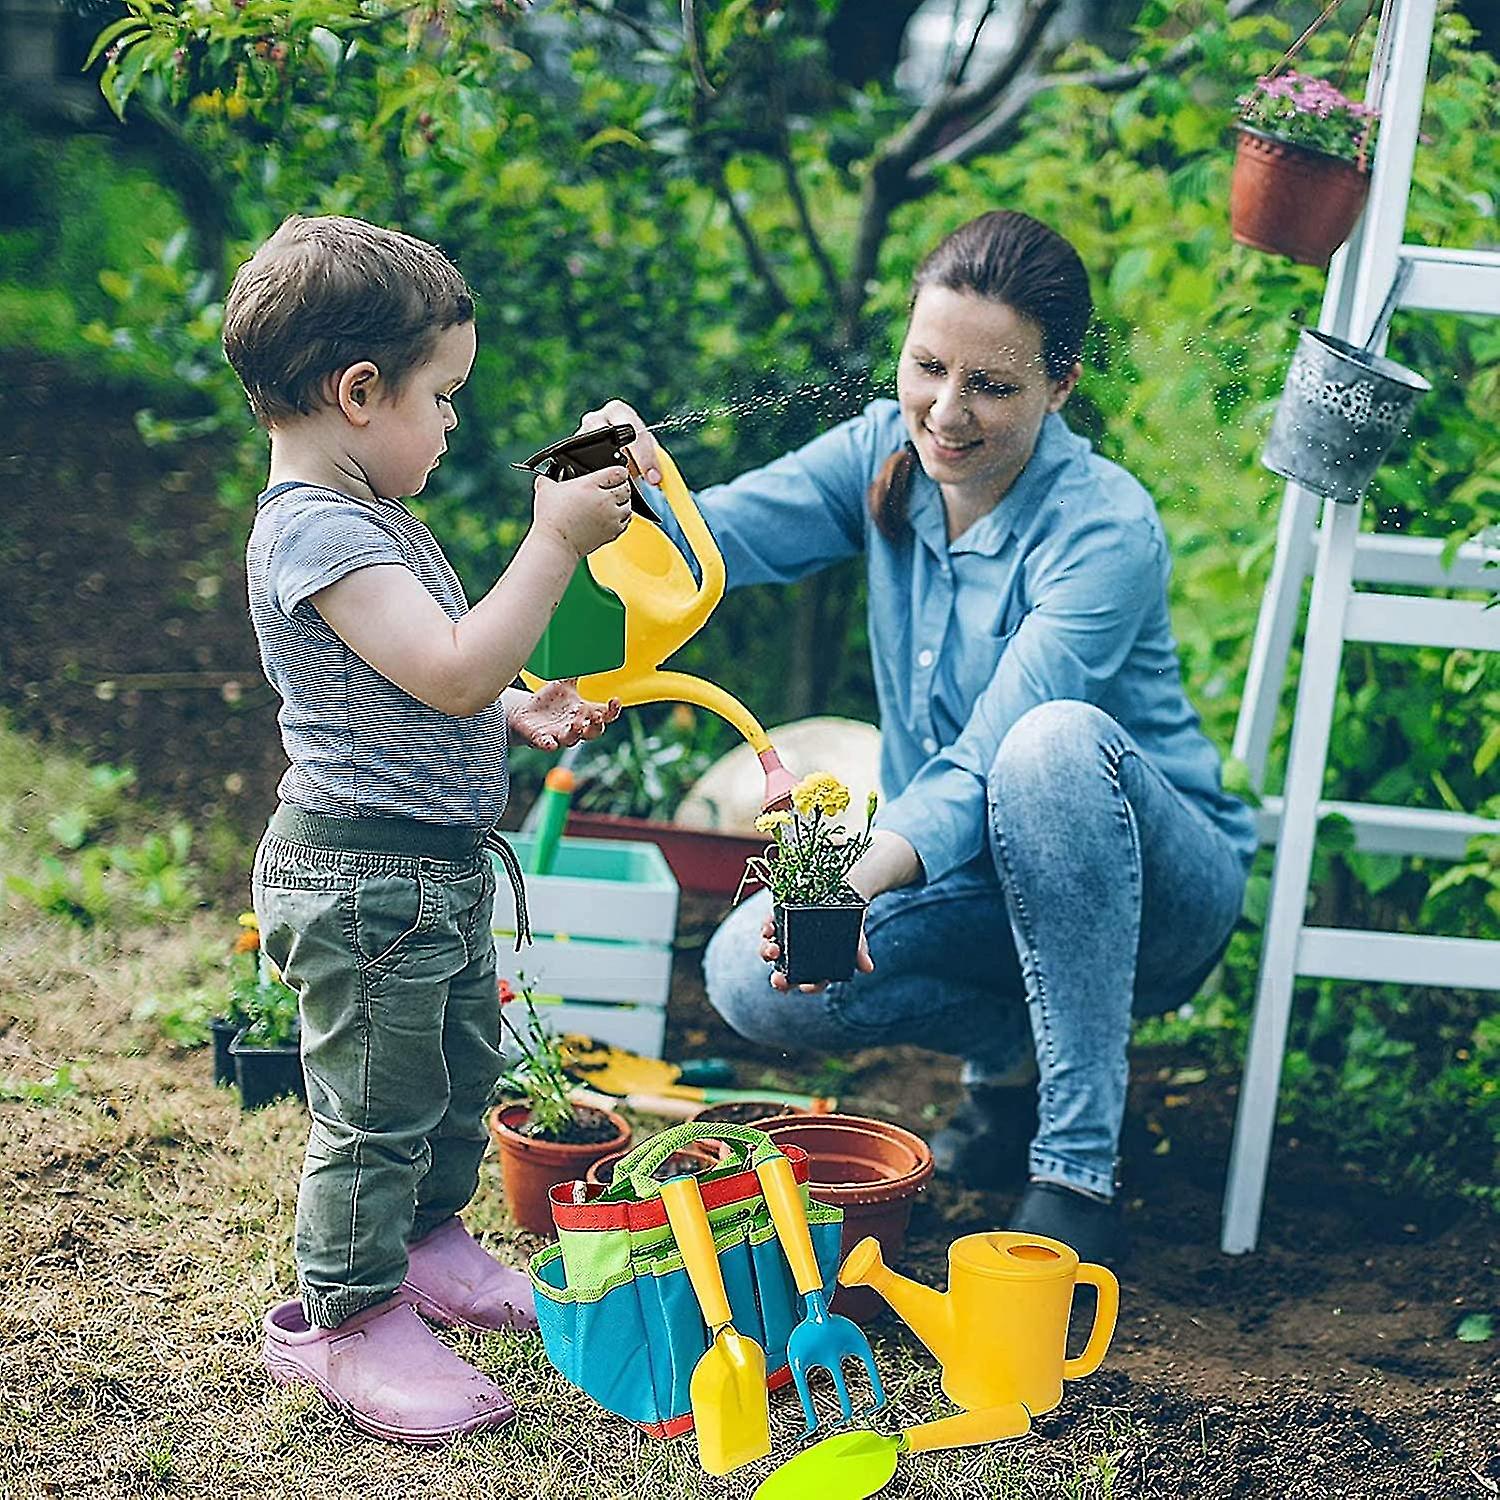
728, 1385
634, 602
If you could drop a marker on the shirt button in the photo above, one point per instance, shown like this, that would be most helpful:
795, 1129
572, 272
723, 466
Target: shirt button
929, 745
924, 658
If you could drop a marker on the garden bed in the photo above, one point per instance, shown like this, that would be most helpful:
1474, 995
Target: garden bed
146, 1215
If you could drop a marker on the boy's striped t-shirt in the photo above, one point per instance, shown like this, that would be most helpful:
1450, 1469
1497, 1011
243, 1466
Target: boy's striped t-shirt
360, 746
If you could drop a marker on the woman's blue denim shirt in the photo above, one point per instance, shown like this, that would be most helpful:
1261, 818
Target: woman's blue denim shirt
1059, 592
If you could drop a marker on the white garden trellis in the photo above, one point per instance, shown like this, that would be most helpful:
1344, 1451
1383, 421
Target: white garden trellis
1339, 556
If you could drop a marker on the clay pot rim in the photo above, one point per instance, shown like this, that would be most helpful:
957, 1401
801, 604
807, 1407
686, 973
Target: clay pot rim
890, 1189
506, 1136
1332, 157
779, 1107
701, 1147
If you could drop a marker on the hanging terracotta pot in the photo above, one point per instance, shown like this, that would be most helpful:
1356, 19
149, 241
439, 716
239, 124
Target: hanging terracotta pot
532, 1166
1291, 200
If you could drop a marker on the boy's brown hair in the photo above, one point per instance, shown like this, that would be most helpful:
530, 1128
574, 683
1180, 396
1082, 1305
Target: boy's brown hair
324, 293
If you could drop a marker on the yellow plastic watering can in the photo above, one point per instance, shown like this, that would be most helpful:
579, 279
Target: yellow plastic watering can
1000, 1330
663, 606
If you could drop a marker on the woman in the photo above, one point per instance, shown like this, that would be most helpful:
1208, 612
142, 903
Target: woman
1054, 844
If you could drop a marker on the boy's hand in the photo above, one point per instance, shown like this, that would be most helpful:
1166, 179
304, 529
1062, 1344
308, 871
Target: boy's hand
583, 513
555, 716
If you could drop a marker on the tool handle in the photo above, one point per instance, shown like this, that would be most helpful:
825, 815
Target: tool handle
1102, 1279
812, 1103
969, 1428
695, 1239
554, 801
789, 1215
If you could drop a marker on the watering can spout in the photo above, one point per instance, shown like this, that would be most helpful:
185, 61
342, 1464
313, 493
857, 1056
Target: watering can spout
779, 781
927, 1313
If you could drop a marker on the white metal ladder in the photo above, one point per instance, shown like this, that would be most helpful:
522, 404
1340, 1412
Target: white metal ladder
1339, 556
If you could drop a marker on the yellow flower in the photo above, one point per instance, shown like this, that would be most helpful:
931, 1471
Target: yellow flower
820, 792
249, 919
771, 821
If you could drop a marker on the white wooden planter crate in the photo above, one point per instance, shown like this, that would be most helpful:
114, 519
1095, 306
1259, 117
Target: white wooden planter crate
602, 923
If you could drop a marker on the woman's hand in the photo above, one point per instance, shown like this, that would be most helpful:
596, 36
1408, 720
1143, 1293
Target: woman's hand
555, 716
889, 863
770, 950
643, 450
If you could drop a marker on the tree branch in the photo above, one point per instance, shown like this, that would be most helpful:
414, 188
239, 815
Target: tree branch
652, 39
804, 218
887, 182
758, 261
692, 44
968, 57
1005, 114
953, 101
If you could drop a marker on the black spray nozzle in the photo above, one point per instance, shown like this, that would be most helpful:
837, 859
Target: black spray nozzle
587, 453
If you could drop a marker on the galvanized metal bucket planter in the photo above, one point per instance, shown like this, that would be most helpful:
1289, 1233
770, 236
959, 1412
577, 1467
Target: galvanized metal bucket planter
1340, 411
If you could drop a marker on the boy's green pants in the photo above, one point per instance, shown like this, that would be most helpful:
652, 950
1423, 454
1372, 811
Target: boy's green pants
391, 953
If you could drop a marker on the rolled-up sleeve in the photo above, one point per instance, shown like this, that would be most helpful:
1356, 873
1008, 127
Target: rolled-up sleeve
1089, 596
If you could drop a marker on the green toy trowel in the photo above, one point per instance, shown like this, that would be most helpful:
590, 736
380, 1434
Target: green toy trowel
856, 1465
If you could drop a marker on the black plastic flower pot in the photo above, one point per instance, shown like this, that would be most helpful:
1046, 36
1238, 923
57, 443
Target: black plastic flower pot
222, 1033
819, 944
267, 1073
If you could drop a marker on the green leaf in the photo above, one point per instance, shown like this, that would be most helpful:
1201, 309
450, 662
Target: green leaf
328, 46
612, 135
126, 30
1130, 271
1476, 1328
1485, 756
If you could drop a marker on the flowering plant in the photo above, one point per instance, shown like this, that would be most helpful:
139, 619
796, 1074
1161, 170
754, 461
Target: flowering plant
538, 1076
1310, 112
810, 856
259, 999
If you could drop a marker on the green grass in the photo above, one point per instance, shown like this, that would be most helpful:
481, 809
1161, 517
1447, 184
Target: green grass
149, 1225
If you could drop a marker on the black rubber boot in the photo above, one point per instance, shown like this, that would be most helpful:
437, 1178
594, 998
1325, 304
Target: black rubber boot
1090, 1226
984, 1144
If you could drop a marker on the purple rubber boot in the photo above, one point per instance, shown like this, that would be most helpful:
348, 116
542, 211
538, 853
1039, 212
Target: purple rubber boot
453, 1280
387, 1372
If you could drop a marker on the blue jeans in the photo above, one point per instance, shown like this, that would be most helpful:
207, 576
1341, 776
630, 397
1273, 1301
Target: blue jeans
1105, 893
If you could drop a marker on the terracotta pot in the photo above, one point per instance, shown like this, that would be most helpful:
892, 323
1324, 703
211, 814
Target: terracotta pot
532, 1168
704, 860
872, 1170
695, 1157
1293, 201
744, 1111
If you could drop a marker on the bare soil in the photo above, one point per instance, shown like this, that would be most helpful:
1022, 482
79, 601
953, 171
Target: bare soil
1324, 1364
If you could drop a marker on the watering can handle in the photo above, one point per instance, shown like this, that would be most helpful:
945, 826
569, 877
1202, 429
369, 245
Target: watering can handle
1102, 1279
789, 1215
695, 530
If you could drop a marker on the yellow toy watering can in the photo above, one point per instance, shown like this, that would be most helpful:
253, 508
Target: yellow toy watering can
1000, 1330
634, 602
